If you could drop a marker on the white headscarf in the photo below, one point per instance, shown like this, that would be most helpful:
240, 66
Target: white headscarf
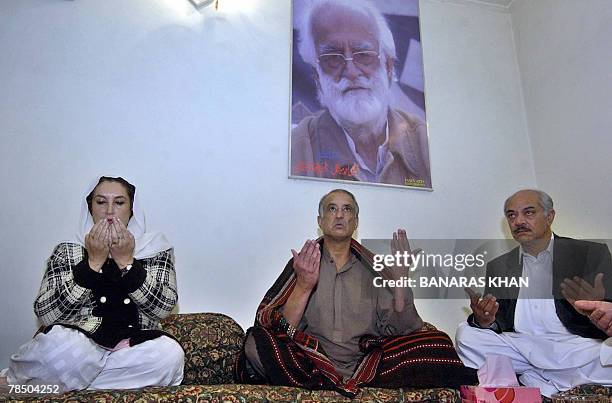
148, 244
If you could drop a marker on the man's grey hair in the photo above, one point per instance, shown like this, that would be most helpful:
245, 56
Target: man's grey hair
546, 202
306, 45
346, 192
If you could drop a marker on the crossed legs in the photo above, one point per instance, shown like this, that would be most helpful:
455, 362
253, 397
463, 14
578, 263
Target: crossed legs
68, 358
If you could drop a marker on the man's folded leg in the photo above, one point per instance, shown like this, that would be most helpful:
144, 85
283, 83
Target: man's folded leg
474, 344
422, 359
277, 361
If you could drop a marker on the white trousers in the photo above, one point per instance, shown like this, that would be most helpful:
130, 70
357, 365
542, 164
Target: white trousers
68, 358
539, 361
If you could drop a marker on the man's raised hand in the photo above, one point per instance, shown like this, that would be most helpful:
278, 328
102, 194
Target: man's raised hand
484, 308
600, 313
577, 288
306, 264
401, 244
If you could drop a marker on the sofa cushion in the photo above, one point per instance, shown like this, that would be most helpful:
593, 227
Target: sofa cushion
258, 393
245, 393
211, 342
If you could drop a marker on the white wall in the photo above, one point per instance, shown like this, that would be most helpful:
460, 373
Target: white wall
564, 49
194, 108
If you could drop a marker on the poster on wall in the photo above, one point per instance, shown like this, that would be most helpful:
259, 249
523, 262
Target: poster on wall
357, 93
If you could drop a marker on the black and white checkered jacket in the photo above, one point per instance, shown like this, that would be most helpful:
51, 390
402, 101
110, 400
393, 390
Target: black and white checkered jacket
66, 296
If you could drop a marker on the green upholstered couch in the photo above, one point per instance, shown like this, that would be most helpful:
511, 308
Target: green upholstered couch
211, 342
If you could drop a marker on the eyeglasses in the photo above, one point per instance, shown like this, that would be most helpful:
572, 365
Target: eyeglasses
336, 61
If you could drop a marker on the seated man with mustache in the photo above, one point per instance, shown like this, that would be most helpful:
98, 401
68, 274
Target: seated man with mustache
542, 328
357, 136
324, 325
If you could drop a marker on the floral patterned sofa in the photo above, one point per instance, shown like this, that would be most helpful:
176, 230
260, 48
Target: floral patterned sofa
211, 342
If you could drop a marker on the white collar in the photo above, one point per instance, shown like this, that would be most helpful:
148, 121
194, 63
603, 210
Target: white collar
549, 249
382, 152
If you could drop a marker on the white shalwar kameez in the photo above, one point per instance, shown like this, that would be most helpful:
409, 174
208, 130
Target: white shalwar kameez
542, 350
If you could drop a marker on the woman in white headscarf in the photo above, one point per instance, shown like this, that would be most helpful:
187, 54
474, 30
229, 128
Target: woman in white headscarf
101, 300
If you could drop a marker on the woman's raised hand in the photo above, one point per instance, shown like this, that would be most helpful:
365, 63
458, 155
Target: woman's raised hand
97, 243
122, 244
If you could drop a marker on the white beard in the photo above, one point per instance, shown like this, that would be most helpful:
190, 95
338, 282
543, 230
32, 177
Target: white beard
360, 109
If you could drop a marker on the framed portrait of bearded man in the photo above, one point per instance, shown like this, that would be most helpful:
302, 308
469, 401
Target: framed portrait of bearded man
357, 93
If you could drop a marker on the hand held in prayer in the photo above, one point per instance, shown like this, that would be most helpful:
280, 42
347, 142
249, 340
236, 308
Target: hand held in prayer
484, 308
600, 313
578, 288
306, 265
97, 244
401, 245
122, 244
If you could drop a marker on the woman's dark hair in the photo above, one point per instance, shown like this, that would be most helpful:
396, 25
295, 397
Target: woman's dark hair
129, 188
